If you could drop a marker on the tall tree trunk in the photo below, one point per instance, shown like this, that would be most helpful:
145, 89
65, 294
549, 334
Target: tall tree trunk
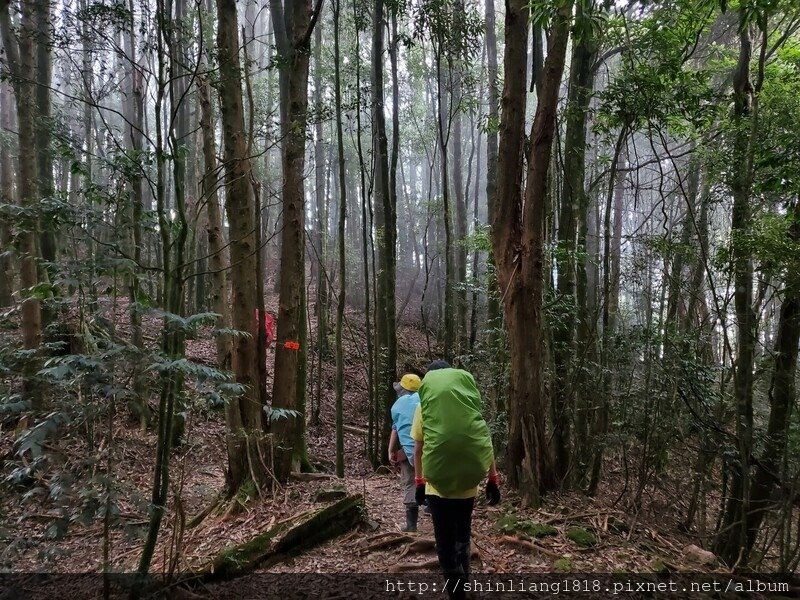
292, 25
372, 436
494, 316
174, 233
342, 262
518, 243
220, 302
610, 301
477, 252
134, 111
244, 415
505, 171
443, 131
781, 399
6, 197
456, 66
21, 62
321, 226
731, 544
573, 199
44, 153
178, 139
383, 198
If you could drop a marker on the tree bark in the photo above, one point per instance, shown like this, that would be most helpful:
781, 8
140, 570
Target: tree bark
342, 257
7, 275
320, 239
21, 62
173, 232
731, 544
781, 399
220, 302
443, 131
573, 200
244, 415
43, 128
456, 66
610, 301
518, 242
385, 220
291, 24
134, 111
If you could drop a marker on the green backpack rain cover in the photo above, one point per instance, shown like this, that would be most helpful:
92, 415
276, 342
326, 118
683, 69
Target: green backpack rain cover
458, 448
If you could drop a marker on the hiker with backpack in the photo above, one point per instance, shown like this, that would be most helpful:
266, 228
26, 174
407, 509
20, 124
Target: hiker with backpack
452, 455
401, 445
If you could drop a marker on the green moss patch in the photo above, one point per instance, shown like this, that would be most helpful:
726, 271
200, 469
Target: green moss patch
509, 523
562, 565
582, 537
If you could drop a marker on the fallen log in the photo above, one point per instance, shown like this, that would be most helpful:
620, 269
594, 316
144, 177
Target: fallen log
286, 539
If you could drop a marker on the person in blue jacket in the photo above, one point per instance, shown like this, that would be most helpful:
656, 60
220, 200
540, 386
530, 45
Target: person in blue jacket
401, 445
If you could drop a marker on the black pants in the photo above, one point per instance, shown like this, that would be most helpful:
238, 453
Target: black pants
452, 522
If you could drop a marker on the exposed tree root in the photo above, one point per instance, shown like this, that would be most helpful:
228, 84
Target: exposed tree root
386, 541
404, 567
420, 545
528, 545
310, 476
212, 507
433, 563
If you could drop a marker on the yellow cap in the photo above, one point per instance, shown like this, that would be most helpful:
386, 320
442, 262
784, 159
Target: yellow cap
410, 382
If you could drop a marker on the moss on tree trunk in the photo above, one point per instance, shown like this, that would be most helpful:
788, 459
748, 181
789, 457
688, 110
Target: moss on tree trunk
287, 539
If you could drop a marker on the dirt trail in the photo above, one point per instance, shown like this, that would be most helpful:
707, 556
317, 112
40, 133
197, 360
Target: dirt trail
40, 534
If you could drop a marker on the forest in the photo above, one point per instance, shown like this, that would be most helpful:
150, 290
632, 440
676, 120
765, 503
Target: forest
229, 227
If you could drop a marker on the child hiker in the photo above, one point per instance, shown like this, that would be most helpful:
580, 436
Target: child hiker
401, 446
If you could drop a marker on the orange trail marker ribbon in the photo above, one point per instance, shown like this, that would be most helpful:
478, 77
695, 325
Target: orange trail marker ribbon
291, 345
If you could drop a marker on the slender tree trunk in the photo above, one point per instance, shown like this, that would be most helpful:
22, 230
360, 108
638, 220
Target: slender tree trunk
342, 262
781, 399
372, 437
506, 170
292, 30
320, 239
173, 243
220, 302
244, 415
476, 253
456, 67
178, 139
7, 275
731, 544
443, 123
573, 198
494, 315
21, 62
383, 198
43, 128
610, 301
134, 109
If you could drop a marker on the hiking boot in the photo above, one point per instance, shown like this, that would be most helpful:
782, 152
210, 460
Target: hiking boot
412, 514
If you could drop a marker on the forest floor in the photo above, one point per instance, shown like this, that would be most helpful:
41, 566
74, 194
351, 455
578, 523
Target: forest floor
621, 539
